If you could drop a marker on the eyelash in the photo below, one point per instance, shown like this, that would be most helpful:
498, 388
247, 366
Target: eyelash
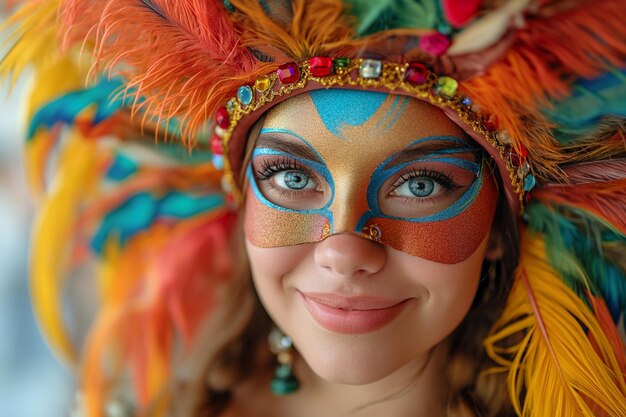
270, 168
442, 179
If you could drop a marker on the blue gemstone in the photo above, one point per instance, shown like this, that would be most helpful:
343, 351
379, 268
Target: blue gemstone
218, 161
370, 68
466, 101
229, 6
529, 182
244, 94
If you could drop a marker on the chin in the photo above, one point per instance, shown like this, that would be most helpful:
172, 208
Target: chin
355, 361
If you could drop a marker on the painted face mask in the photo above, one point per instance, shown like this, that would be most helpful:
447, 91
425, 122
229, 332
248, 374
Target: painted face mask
389, 168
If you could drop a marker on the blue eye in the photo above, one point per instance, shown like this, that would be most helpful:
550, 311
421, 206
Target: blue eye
421, 187
422, 184
418, 187
294, 180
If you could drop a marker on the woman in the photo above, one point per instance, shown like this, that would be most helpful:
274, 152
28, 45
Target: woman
428, 198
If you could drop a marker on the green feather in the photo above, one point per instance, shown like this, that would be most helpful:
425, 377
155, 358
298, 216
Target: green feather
591, 101
377, 15
575, 242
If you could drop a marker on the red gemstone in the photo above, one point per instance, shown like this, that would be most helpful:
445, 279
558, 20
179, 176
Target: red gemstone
515, 159
221, 118
491, 123
523, 151
460, 12
435, 43
321, 66
216, 145
288, 73
416, 73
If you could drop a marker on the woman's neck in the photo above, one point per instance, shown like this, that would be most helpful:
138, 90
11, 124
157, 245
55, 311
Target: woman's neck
417, 389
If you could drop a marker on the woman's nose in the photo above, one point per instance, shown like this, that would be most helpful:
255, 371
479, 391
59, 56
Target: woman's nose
347, 254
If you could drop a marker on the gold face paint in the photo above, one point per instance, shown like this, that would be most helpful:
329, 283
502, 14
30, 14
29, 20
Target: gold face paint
390, 168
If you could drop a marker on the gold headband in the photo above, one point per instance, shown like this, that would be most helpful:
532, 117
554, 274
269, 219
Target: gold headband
412, 79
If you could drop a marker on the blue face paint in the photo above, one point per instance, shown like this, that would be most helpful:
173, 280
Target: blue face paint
368, 149
319, 167
338, 108
393, 114
382, 173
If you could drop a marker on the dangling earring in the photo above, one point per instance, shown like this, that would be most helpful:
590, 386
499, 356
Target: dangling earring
284, 381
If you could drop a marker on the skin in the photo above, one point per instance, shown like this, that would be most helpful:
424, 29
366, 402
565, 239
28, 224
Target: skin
402, 362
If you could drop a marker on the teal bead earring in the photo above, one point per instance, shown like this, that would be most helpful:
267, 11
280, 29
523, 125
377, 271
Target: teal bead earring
284, 381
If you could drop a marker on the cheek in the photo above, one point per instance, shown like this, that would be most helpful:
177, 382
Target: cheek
448, 291
271, 269
452, 288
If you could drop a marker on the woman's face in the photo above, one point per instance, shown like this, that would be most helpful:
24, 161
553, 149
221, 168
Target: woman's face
367, 220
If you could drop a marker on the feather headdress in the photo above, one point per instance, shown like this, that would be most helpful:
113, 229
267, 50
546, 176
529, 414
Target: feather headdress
549, 77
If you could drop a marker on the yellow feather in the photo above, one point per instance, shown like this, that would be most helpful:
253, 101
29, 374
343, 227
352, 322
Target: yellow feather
53, 79
33, 37
551, 362
34, 45
53, 232
34, 42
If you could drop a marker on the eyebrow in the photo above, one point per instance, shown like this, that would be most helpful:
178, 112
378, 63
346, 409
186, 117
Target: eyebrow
287, 146
426, 147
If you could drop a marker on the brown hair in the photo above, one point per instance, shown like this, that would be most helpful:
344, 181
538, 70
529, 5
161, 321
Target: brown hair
475, 390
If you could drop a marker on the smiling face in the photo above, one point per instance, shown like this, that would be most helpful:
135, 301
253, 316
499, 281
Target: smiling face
367, 219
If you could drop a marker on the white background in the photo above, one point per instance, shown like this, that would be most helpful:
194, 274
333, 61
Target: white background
33, 383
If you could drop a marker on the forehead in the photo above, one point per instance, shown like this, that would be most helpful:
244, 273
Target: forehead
359, 124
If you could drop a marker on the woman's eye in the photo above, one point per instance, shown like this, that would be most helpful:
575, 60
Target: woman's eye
294, 180
418, 187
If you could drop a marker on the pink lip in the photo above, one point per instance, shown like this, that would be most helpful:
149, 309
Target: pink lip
351, 315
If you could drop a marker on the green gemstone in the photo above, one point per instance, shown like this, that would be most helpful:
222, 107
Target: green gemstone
284, 386
445, 28
284, 371
341, 62
447, 86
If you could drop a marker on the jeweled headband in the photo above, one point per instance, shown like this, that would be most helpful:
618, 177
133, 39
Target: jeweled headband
414, 79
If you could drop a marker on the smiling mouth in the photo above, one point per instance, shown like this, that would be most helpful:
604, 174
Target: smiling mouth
351, 315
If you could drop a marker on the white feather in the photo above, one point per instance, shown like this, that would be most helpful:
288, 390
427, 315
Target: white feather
489, 29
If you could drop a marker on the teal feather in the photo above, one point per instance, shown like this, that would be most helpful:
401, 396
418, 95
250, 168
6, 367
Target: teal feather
104, 97
184, 155
377, 15
574, 243
182, 205
591, 101
68, 107
142, 210
137, 213
121, 168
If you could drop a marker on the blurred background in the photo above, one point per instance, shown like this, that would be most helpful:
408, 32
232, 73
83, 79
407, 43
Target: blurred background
33, 383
